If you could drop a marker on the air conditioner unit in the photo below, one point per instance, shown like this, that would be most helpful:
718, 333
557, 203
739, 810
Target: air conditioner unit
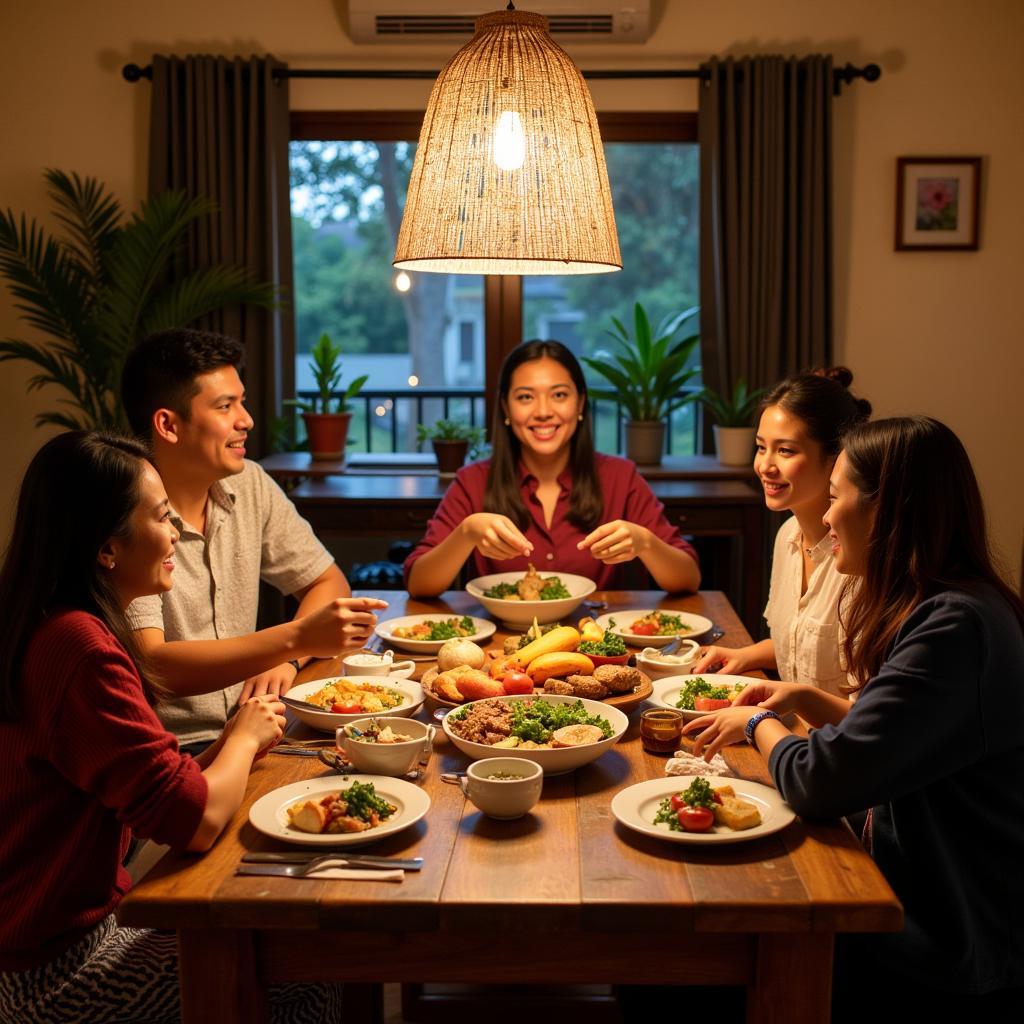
451, 21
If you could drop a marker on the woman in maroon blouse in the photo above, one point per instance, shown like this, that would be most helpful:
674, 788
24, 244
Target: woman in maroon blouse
545, 496
84, 761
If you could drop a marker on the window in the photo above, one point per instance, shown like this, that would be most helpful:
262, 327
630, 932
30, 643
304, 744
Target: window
432, 343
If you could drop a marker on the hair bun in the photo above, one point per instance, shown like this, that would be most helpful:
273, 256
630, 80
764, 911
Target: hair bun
863, 409
842, 375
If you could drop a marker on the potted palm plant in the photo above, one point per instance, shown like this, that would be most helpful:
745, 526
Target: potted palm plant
648, 374
327, 415
101, 286
734, 436
451, 441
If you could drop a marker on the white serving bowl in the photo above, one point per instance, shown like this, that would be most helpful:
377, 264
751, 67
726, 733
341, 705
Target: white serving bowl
327, 721
556, 761
520, 614
387, 758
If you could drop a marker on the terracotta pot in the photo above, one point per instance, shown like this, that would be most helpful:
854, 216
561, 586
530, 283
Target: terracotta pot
327, 433
734, 446
645, 441
450, 455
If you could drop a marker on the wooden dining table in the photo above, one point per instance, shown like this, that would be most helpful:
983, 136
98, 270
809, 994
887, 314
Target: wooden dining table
564, 895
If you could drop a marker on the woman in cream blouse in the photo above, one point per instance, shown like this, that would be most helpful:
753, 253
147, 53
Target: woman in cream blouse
798, 439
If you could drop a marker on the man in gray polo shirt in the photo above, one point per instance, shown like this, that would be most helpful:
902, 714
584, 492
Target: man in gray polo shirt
183, 392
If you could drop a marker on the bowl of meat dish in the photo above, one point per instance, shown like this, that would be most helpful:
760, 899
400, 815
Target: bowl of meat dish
559, 733
518, 598
342, 699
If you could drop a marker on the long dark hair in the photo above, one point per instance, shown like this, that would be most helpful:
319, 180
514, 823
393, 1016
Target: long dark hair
502, 494
928, 533
822, 401
79, 491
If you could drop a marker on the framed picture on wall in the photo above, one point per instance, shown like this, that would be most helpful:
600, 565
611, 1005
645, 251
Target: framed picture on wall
937, 202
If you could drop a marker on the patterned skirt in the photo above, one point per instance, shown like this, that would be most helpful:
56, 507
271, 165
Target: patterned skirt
130, 976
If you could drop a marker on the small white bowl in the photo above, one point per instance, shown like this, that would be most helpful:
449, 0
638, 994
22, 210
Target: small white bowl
658, 666
520, 614
363, 663
504, 799
327, 721
386, 758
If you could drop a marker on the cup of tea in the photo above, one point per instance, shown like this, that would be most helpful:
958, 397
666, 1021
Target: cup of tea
366, 663
661, 730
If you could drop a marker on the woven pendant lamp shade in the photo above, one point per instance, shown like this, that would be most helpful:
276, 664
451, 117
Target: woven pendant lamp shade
509, 175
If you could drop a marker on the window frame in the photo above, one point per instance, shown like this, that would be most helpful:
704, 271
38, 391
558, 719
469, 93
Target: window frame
503, 293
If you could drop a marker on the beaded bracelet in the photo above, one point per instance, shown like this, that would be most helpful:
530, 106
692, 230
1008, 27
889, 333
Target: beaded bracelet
754, 722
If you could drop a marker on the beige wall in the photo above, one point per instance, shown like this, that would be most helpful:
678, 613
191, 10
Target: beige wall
924, 332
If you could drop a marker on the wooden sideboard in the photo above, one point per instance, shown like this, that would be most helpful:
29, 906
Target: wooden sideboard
712, 504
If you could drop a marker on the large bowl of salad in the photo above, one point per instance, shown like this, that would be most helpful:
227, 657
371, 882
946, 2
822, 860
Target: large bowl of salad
532, 727
510, 597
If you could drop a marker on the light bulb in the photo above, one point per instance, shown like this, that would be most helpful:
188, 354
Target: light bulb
413, 380
403, 282
509, 142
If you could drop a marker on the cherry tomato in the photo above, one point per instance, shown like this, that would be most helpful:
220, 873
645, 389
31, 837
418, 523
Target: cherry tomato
346, 709
717, 796
696, 819
710, 703
645, 629
678, 803
517, 682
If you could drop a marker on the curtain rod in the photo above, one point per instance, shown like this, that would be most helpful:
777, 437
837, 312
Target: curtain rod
840, 76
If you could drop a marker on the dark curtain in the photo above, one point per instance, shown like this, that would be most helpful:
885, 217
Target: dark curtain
766, 223
219, 128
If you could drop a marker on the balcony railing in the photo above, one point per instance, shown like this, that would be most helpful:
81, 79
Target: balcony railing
385, 420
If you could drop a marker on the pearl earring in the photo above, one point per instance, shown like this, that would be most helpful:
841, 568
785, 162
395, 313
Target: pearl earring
111, 566
580, 417
508, 422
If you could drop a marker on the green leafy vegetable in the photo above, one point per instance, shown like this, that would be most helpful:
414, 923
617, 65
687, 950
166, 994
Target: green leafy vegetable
700, 687
537, 720
362, 801
609, 647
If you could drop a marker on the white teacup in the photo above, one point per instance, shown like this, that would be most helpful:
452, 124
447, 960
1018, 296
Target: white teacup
503, 798
656, 664
363, 663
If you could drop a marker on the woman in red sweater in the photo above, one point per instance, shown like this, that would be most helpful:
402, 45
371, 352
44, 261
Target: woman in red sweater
545, 496
84, 761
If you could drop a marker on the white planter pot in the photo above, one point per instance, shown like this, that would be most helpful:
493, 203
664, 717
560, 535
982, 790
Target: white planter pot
734, 446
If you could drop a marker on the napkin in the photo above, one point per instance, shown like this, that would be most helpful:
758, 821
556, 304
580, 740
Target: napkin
685, 763
358, 874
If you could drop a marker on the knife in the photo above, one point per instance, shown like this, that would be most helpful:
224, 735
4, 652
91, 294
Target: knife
355, 859
388, 872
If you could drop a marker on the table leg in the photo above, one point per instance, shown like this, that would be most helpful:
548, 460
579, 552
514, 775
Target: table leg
217, 972
793, 979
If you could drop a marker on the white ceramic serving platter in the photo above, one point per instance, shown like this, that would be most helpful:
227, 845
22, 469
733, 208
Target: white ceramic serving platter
385, 630
636, 806
698, 626
555, 761
269, 814
327, 721
520, 614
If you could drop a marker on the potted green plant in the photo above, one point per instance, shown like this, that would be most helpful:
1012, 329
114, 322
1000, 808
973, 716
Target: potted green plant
648, 373
101, 286
451, 441
327, 427
734, 436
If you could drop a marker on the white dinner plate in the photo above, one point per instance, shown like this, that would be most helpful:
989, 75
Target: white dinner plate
698, 626
636, 806
484, 630
269, 814
328, 721
667, 690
